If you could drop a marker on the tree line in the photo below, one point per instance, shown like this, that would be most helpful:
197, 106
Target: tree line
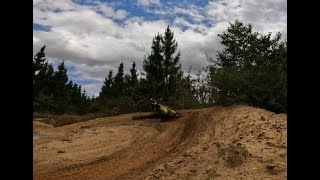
251, 69
53, 92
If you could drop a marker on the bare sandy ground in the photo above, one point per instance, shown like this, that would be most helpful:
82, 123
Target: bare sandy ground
236, 142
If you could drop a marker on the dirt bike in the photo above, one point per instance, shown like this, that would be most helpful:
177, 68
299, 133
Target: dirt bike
163, 110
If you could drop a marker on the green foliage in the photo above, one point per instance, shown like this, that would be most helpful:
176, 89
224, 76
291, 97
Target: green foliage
252, 69
51, 90
118, 88
162, 67
39, 61
106, 90
153, 66
171, 62
162, 77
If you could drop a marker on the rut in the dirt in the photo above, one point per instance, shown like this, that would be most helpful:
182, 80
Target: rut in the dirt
212, 143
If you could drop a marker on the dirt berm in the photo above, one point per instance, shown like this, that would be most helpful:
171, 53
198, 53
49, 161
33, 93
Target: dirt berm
235, 142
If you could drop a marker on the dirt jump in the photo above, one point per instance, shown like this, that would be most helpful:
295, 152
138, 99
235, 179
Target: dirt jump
235, 142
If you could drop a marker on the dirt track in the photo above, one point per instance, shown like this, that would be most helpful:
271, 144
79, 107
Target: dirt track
237, 142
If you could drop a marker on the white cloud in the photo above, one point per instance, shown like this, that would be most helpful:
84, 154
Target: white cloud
192, 12
265, 16
223, 10
191, 45
92, 89
95, 44
195, 27
148, 2
88, 38
44, 8
108, 11
161, 12
195, 13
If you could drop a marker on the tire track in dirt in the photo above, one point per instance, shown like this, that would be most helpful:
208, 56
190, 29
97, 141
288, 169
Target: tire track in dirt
189, 147
142, 155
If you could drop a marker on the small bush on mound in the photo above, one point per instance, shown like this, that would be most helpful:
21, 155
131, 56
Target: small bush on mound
234, 155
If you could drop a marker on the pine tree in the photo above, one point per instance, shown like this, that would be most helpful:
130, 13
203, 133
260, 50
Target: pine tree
39, 61
119, 81
106, 90
51, 90
39, 65
133, 75
60, 78
171, 63
163, 67
132, 82
153, 66
43, 97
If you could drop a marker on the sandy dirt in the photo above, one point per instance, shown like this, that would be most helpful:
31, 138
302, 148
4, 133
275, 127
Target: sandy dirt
236, 142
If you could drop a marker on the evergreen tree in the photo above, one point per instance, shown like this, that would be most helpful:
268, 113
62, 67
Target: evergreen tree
251, 68
106, 90
51, 90
171, 63
39, 61
60, 78
119, 81
39, 65
153, 66
133, 75
132, 82
163, 67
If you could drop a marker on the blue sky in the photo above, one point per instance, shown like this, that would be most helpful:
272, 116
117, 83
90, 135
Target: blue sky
93, 37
